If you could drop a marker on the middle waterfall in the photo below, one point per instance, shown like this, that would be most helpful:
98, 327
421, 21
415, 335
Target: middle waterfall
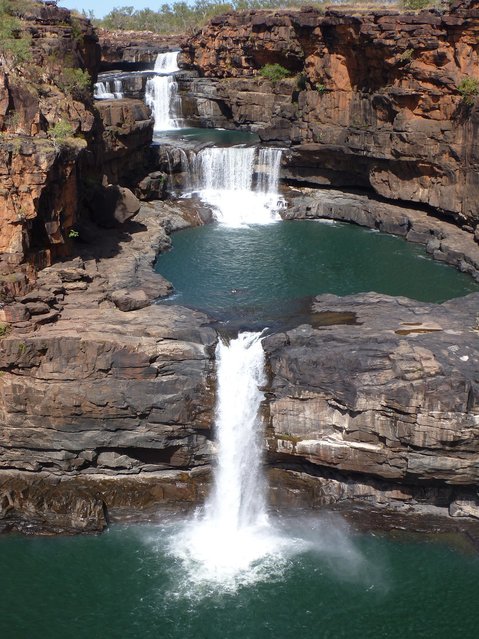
239, 183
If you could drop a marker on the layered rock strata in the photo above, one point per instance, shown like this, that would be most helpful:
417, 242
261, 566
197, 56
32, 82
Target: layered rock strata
114, 388
134, 50
46, 124
383, 390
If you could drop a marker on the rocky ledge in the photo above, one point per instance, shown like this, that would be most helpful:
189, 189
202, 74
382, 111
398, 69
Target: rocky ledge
134, 50
109, 387
377, 401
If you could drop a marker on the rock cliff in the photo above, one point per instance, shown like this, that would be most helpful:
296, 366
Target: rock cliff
57, 148
382, 100
133, 50
109, 408
379, 388
46, 123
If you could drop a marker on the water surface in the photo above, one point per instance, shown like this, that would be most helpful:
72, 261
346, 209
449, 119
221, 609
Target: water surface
126, 584
220, 137
260, 274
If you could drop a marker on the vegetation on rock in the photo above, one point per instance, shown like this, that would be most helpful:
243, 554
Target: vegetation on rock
75, 82
14, 40
416, 4
181, 17
469, 89
61, 130
274, 72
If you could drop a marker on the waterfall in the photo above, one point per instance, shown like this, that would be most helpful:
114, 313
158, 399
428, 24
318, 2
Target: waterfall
102, 90
225, 179
161, 93
118, 89
269, 163
237, 501
233, 537
167, 62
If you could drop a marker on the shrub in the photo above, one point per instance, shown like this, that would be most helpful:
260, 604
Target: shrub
468, 88
406, 56
60, 132
3, 329
320, 88
274, 72
416, 4
75, 82
14, 41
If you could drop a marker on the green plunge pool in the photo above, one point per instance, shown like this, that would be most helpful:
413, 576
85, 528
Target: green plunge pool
126, 584
260, 275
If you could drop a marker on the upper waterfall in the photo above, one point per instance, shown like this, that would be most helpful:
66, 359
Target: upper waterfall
103, 90
166, 62
240, 183
161, 93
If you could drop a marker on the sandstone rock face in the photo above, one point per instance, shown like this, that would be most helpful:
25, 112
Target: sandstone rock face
134, 50
127, 133
374, 101
107, 386
38, 194
383, 388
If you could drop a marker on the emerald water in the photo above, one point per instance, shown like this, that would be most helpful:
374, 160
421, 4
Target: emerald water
221, 137
260, 275
126, 584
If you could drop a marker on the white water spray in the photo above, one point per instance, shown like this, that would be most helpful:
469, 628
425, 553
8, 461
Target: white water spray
233, 541
161, 93
239, 183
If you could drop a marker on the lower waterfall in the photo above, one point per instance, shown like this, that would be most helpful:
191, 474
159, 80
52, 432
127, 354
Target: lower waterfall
239, 183
232, 541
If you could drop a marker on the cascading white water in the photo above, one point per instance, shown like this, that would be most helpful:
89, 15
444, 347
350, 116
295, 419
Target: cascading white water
102, 90
233, 540
161, 93
118, 89
166, 62
269, 162
237, 501
225, 179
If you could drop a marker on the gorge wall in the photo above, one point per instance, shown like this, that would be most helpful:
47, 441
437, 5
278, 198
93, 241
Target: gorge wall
58, 151
373, 99
106, 400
